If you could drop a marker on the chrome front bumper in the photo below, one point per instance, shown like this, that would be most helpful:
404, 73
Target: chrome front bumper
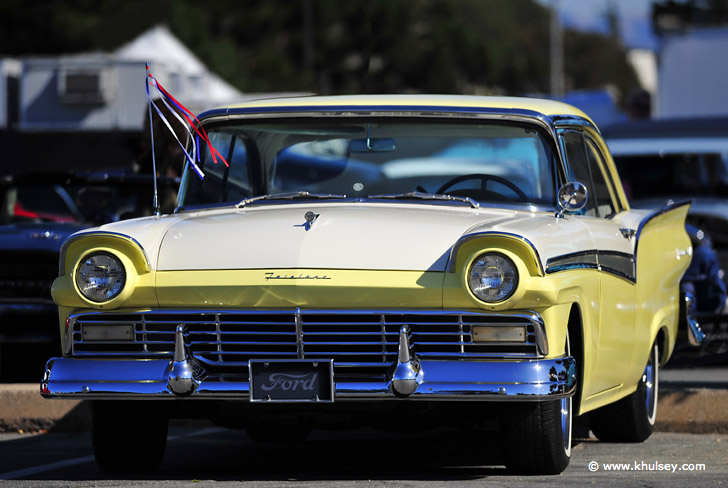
409, 377
511, 380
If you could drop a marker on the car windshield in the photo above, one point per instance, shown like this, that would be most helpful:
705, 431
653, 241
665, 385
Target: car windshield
374, 159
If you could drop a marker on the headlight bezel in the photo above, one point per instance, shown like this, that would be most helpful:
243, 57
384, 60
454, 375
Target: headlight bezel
120, 284
512, 282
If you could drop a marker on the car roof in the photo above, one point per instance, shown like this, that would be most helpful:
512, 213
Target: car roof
456, 103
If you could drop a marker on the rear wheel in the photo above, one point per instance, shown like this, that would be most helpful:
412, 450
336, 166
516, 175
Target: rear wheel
127, 438
537, 435
632, 418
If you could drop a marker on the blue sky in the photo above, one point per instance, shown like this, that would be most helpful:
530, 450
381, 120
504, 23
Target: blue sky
589, 15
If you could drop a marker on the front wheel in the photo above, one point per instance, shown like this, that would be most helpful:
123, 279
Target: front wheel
632, 418
127, 438
537, 436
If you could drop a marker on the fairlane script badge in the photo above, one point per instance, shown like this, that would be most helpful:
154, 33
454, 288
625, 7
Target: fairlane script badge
274, 276
291, 381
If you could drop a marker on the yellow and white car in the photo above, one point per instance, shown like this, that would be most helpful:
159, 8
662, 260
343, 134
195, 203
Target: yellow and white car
388, 260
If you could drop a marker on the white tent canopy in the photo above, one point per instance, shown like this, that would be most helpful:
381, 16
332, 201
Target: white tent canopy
171, 61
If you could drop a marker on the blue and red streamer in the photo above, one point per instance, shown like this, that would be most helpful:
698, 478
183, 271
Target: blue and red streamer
199, 131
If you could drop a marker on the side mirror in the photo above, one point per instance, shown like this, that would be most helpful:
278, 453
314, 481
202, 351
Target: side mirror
572, 197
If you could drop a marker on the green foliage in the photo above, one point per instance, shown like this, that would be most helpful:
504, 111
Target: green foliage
334, 46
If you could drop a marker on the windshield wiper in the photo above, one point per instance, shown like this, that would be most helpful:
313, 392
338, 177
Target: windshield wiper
416, 195
294, 195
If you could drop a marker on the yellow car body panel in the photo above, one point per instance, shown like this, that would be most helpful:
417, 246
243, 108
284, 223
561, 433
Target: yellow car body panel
607, 354
311, 288
347, 239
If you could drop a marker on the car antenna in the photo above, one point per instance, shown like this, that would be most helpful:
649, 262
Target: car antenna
155, 201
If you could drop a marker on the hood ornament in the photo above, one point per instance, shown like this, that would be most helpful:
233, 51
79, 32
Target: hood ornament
310, 219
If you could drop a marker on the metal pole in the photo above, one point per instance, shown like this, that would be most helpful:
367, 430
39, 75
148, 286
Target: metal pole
155, 201
557, 52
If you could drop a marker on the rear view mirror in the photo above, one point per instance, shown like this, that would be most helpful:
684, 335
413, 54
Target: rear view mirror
372, 145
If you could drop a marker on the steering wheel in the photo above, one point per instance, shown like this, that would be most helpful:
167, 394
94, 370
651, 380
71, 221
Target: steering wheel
483, 182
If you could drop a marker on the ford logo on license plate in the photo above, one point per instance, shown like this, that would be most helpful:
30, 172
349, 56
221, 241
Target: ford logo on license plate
291, 381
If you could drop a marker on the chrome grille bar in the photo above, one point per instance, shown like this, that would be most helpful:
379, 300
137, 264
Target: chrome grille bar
360, 339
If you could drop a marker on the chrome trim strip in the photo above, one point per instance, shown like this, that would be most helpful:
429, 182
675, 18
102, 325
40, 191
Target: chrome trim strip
75, 237
614, 262
571, 120
68, 344
468, 237
618, 263
576, 260
299, 333
388, 110
526, 380
541, 337
695, 333
512, 115
526, 315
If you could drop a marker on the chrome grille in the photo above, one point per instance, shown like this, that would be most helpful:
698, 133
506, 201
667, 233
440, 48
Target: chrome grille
365, 340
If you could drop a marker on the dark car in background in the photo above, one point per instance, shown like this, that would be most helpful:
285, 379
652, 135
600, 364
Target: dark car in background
35, 218
38, 213
679, 159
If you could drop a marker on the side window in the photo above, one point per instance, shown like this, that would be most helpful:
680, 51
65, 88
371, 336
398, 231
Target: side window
578, 161
223, 183
585, 164
605, 204
238, 179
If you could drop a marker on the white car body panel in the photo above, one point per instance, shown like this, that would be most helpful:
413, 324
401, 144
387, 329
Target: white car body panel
356, 235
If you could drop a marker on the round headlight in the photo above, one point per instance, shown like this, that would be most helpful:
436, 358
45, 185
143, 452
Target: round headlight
100, 277
493, 277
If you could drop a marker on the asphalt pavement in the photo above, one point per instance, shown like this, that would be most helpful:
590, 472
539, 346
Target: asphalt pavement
199, 456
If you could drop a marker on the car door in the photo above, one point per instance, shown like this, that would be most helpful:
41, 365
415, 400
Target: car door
609, 342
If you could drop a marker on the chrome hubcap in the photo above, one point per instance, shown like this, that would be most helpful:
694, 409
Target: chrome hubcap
649, 379
566, 411
566, 424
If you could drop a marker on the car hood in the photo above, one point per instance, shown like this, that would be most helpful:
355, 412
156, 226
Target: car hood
366, 236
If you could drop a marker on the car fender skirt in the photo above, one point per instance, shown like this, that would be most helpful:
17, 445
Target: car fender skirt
504, 380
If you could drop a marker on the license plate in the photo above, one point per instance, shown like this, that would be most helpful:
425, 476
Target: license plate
291, 381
